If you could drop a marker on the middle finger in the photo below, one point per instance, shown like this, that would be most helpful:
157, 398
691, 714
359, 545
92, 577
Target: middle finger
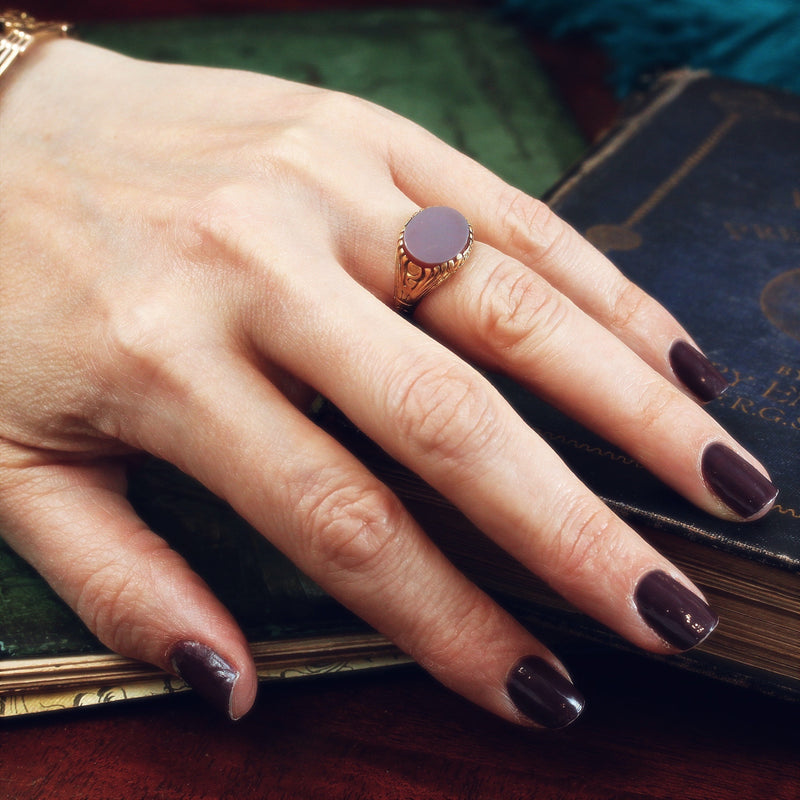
439, 416
503, 315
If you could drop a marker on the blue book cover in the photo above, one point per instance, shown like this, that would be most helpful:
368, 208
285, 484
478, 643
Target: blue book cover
697, 199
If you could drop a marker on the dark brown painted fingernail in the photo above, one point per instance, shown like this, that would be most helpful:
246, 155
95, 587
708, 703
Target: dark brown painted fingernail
206, 672
696, 372
543, 694
674, 612
736, 482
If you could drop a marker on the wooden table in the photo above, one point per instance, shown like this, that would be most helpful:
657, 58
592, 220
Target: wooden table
649, 731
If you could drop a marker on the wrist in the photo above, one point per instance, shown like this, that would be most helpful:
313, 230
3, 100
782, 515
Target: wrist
19, 32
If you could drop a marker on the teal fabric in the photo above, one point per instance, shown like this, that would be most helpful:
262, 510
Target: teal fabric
752, 40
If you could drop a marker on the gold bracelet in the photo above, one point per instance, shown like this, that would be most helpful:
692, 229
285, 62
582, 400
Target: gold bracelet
19, 30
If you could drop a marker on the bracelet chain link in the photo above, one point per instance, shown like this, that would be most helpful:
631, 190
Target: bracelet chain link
18, 30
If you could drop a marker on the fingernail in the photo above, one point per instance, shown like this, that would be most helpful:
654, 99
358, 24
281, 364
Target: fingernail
206, 672
543, 694
696, 372
736, 482
674, 612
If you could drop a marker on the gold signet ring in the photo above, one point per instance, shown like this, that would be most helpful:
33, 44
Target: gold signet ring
434, 243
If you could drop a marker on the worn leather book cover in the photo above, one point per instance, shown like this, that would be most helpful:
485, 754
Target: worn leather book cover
697, 199
473, 81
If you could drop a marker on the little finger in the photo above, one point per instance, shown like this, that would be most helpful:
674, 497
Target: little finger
348, 532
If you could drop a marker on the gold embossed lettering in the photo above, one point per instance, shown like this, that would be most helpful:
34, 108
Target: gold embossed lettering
743, 404
738, 377
789, 234
765, 232
771, 389
771, 414
736, 231
784, 395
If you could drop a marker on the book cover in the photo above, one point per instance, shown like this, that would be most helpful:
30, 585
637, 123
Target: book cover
470, 79
696, 197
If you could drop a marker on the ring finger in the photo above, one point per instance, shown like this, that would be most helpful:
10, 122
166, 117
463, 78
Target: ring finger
525, 229
506, 317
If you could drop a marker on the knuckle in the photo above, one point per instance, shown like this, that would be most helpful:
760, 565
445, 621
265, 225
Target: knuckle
332, 106
534, 230
351, 532
305, 142
290, 153
517, 308
154, 360
335, 112
444, 411
215, 220
137, 334
586, 540
655, 404
228, 250
149, 355
627, 307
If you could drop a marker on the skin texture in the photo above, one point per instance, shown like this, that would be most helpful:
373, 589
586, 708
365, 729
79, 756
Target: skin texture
189, 254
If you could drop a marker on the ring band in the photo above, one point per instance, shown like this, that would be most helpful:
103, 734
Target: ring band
433, 245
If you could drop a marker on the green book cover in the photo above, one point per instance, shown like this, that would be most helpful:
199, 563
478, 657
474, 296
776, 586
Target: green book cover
474, 82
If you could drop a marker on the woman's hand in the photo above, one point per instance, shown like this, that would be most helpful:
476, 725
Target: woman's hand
189, 254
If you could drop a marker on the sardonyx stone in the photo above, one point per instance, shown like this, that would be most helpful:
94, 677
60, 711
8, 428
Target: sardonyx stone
435, 235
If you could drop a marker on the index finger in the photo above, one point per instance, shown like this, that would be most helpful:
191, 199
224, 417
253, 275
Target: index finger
524, 228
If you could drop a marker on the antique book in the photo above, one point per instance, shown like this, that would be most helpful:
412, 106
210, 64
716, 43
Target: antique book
696, 197
477, 85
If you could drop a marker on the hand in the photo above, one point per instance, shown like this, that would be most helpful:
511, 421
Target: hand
189, 254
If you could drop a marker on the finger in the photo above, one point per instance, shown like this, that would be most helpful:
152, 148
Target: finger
349, 533
437, 415
507, 317
525, 229
138, 596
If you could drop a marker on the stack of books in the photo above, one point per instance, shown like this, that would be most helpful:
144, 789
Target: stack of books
696, 197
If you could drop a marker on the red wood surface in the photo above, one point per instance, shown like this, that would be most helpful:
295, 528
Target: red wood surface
578, 73
648, 732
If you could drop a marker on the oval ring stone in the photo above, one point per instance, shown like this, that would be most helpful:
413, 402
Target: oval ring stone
435, 236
